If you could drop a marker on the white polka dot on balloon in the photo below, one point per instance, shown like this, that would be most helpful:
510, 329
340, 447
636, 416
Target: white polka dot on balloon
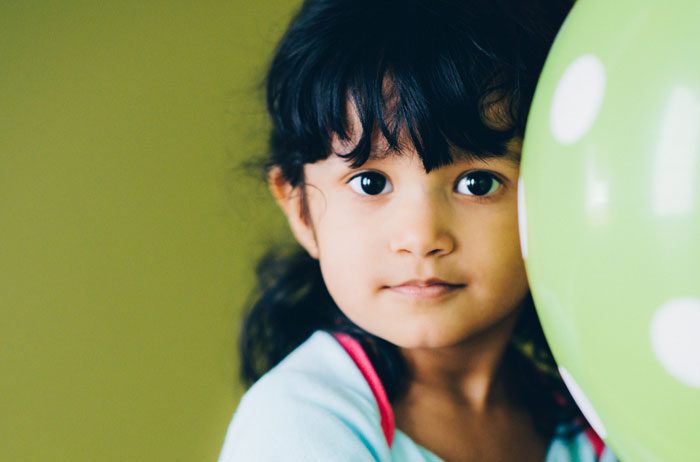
675, 338
522, 217
583, 403
577, 99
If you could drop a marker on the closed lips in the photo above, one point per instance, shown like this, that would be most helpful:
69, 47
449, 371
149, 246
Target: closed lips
429, 288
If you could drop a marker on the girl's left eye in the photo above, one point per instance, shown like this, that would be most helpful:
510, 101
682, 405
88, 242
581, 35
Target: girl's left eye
478, 183
370, 184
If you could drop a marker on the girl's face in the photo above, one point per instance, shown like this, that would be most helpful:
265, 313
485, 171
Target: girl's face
418, 259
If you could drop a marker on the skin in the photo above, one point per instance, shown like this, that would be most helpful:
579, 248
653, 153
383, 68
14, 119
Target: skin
436, 270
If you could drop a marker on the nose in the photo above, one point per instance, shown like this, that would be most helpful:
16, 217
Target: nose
422, 228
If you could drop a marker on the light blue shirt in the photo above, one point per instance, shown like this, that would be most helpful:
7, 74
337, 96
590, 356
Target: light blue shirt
316, 406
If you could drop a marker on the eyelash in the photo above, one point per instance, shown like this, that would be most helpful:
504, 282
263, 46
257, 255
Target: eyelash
366, 174
482, 198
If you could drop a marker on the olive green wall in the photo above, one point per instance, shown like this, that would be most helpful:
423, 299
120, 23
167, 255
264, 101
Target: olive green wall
127, 233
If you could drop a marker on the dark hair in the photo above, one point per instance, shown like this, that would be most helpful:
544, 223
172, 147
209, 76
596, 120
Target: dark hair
450, 75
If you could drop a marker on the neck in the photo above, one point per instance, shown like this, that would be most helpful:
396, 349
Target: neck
469, 374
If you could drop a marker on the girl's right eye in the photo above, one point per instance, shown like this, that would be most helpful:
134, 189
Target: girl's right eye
370, 184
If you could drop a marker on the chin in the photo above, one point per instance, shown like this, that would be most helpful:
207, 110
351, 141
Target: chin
426, 338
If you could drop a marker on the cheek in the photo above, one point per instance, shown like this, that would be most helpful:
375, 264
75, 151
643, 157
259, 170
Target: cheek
338, 237
511, 276
347, 281
346, 234
347, 258
497, 262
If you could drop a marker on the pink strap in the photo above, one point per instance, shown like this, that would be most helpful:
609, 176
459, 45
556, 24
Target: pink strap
359, 357
386, 414
596, 441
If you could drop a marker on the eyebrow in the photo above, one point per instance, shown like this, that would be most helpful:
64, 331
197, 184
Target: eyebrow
508, 155
380, 154
513, 156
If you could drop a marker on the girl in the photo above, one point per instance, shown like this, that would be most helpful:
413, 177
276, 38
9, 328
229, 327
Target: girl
404, 330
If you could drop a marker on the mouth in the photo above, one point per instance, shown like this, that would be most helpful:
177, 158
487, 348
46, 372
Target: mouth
426, 289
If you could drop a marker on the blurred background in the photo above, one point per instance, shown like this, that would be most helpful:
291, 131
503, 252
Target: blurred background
128, 230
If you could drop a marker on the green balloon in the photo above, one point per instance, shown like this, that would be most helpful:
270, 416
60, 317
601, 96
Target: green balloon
610, 220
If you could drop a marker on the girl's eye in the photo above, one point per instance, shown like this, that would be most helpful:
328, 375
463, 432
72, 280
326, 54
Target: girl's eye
478, 183
370, 184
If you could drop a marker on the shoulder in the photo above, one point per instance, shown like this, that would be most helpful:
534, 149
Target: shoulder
315, 405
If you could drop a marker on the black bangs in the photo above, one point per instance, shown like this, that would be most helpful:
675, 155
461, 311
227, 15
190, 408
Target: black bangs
434, 75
